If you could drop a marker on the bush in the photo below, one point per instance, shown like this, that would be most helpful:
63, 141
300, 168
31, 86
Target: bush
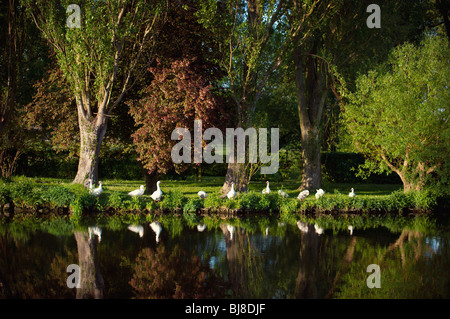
290, 206
192, 205
258, 201
58, 196
5, 194
213, 200
173, 200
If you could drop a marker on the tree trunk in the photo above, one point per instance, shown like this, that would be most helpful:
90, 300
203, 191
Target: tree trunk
236, 173
91, 137
306, 283
310, 76
91, 280
150, 181
312, 174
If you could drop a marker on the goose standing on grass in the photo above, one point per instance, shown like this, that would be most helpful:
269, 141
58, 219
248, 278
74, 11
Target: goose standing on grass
282, 193
303, 194
97, 191
156, 196
352, 193
202, 194
91, 187
319, 193
267, 189
157, 228
232, 193
95, 230
138, 229
138, 192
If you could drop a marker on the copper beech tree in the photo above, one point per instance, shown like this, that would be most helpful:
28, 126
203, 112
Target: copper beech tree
177, 95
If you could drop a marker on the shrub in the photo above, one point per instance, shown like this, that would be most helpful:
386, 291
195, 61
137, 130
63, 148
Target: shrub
173, 200
425, 199
58, 196
290, 206
5, 193
258, 201
119, 200
192, 205
250, 200
213, 200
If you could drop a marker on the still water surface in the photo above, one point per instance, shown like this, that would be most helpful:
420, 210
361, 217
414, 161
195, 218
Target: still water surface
253, 258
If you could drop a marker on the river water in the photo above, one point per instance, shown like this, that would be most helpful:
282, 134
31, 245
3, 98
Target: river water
191, 257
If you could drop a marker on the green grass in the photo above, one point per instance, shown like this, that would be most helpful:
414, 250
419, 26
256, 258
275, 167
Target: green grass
212, 185
182, 194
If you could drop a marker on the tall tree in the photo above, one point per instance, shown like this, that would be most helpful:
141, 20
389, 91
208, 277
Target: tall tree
331, 42
22, 45
177, 96
398, 116
249, 35
91, 57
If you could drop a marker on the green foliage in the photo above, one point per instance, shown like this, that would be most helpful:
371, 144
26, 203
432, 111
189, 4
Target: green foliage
173, 200
31, 194
58, 196
119, 200
5, 194
213, 200
257, 201
193, 204
398, 116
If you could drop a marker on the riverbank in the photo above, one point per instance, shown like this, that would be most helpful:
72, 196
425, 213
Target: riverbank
36, 197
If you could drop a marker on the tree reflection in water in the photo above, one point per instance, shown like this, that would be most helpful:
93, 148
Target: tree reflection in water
269, 260
163, 273
91, 280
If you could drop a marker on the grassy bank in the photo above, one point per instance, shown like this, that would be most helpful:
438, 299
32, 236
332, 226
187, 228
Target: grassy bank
41, 195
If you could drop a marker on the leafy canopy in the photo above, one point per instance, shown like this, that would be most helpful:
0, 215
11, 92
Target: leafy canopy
398, 115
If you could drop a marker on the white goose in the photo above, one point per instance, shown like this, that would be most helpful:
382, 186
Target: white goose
352, 193
156, 196
232, 193
282, 193
157, 228
267, 189
137, 192
97, 191
320, 192
138, 229
91, 187
303, 194
202, 194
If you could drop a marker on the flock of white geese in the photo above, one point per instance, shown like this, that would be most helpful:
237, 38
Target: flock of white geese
157, 195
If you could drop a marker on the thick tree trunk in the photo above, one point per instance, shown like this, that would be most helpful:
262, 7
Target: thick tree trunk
312, 174
311, 95
306, 283
91, 137
150, 181
237, 174
91, 280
